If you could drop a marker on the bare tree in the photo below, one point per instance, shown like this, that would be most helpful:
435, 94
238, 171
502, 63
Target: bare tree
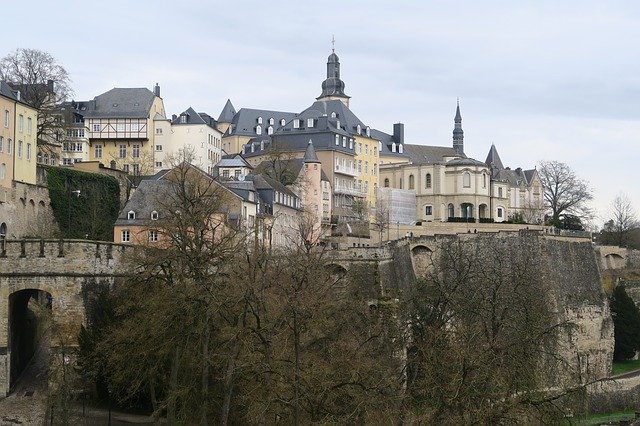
381, 215
564, 192
624, 220
43, 83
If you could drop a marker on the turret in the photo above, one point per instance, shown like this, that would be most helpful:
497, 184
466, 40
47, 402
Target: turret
333, 87
458, 134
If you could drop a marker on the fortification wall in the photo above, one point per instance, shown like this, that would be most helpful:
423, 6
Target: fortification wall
26, 211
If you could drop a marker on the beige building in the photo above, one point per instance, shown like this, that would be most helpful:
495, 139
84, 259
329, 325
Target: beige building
25, 143
7, 135
121, 128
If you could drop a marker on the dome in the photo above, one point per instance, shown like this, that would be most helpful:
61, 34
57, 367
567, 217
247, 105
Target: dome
333, 58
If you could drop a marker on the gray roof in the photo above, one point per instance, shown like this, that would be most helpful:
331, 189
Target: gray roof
121, 103
244, 122
7, 91
515, 177
493, 159
233, 161
466, 162
426, 154
193, 117
310, 154
143, 201
227, 113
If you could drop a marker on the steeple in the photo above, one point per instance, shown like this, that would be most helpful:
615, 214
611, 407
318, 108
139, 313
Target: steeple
333, 87
458, 134
493, 159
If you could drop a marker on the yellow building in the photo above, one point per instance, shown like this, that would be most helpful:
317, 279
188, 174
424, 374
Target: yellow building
7, 135
24, 142
121, 128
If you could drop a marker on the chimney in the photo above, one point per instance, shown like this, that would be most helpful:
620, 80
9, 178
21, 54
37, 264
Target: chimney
398, 133
156, 90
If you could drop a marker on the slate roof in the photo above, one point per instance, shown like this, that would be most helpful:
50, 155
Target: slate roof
235, 160
245, 121
466, 162
227, 113
426, 154
121, 103
310, 154
493, 159
515, 177
194, 117
7, 91
143, 201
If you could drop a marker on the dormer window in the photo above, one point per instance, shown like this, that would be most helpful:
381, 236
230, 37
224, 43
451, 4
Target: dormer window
310, 122
368, 131
338, 124
379, 146
154, 215
344, 141
334, 115
358, 129
269, 130
283, 121
337, 140
259, 120
258, 129
400, 148
350, 143
183, 118
271, 121
131, 215
296, 123
393, 147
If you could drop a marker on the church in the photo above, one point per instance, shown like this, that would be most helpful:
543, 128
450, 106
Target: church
365, 166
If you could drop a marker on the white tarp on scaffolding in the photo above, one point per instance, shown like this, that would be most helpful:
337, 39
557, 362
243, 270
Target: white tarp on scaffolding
399, 205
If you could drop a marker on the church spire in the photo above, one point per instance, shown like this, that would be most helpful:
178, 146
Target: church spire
458, 134
333, 87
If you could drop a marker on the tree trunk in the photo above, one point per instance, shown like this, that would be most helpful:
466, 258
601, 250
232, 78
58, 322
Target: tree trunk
205, 370
228, 384
173, 386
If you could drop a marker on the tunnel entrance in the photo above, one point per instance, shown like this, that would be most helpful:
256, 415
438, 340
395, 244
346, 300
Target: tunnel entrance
29, 315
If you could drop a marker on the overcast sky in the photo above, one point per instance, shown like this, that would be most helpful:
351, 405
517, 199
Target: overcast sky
542, 80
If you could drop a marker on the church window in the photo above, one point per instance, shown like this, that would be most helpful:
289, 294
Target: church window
386, 182
427, 180
466, 180
411, 182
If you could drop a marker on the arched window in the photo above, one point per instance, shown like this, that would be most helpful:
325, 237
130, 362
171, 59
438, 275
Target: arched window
258, 130
283, 121
358, 129
484, 180
269, 130
259, 120
400, 148
393, 147
400, 183
427, 180
386, 182
450, 210
271, 121
466, 180
333, 115
411, 182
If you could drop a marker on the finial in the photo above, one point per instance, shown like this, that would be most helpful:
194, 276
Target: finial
458, 101
333, 44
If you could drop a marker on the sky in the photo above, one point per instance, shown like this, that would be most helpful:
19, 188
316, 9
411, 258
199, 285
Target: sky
542, 80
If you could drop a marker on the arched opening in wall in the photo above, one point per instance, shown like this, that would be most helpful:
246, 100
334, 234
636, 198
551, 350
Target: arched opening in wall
614, 261
421, 259
482, 211
450, 211
29, 327
336, 271
466, 210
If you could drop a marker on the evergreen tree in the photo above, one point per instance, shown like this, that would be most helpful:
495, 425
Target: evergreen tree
626, 322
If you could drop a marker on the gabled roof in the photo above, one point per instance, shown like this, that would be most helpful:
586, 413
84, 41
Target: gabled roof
235, 160
192, 117
493, 159
121, 103
143, 201
426, 154
227, 113
310, 154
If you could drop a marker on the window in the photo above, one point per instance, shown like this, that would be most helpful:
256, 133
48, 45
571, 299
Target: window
270, 130
6, 118
122, 152
366, 167
125, 168
96, 127
386, 182
500, 192
484, 180
259, 120
28, 151
29, 125
411, 182
283, 122
334, 115
158, 163
131, 215
67, 161
9, 146
393, 147
337, 140
344, 141
450, 210
401, 185
400, 148
136, 150
120, 127
158, 147
153, 235
466, 180
19, 149
499, 211
3, 170
310, 122
98, 151
350, 143
1, 144
296, 123
154, 215
225, 174
183, 118
428, 210
20, 122
158, 131
125, 236
427, 180
368, 131
135, 127
271, 121
258, 130
136, 169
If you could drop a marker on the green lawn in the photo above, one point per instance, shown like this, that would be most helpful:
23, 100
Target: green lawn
624, 366
598, 419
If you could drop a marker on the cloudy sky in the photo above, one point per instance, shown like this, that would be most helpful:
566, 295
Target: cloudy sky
541, 80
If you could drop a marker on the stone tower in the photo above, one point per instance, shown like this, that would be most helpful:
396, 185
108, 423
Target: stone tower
333, 87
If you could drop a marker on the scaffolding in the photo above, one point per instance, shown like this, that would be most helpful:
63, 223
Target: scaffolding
399, 204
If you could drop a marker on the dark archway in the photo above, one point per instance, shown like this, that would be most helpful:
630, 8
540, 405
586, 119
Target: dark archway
29, 315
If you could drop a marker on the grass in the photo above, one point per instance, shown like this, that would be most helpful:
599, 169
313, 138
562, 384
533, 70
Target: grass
598, 419
620, 367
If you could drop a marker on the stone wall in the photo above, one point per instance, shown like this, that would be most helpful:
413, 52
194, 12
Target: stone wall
26, 211
66, 270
